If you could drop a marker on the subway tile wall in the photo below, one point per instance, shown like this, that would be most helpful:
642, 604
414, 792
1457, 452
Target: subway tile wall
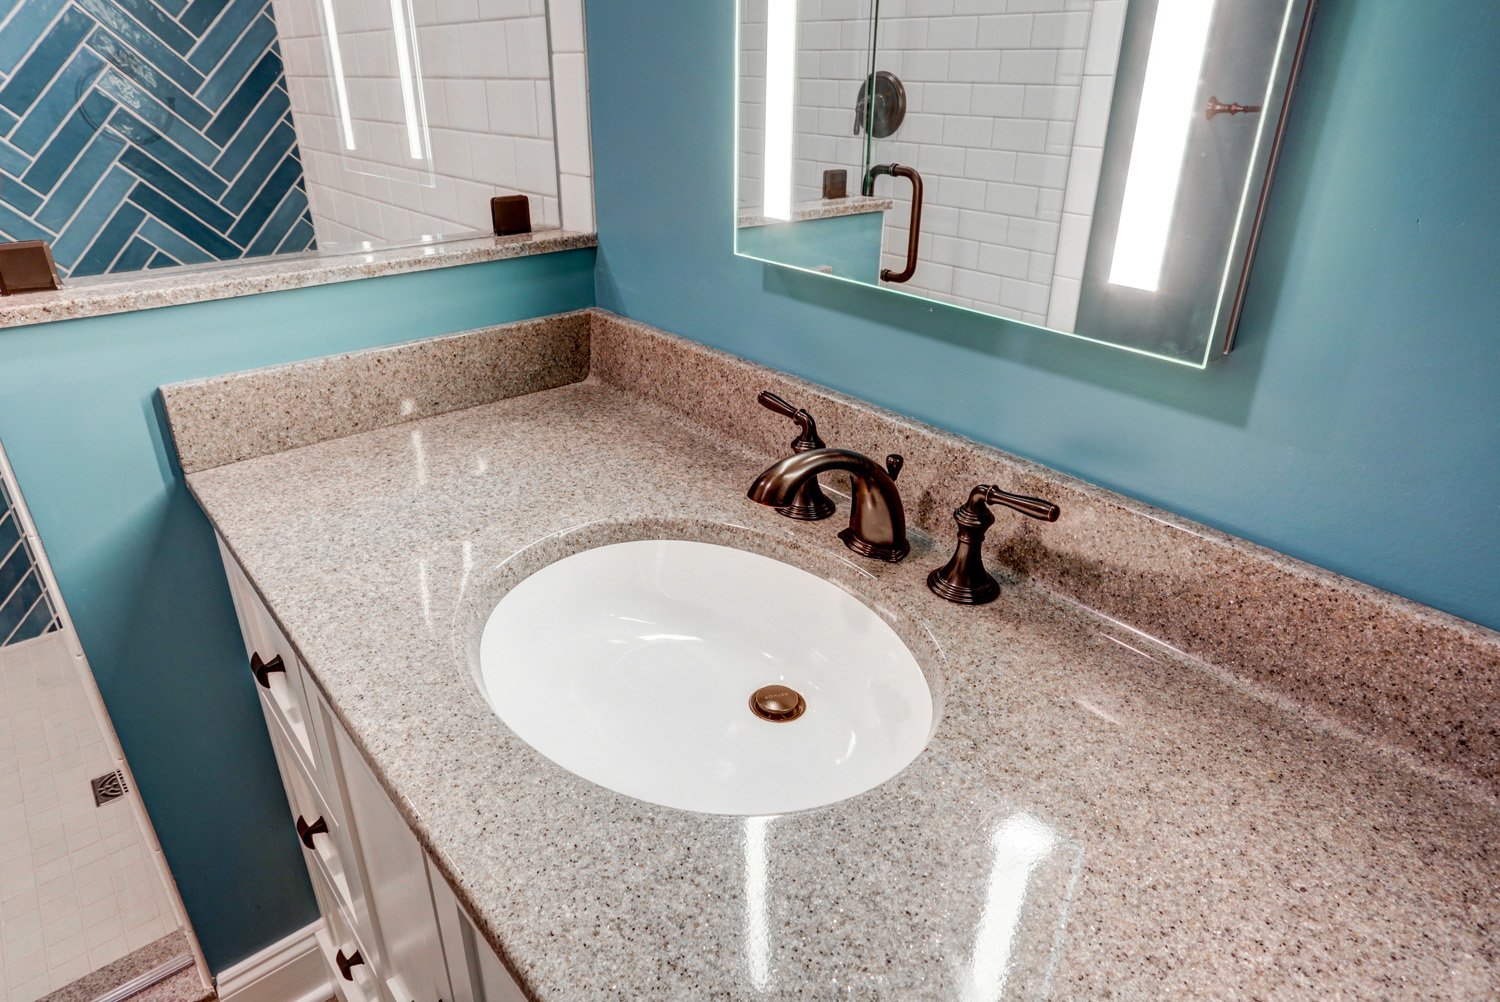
1007, 106
139, 134
483, 91
26, 609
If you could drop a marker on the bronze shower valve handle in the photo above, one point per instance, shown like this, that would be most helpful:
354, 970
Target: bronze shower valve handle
963, 578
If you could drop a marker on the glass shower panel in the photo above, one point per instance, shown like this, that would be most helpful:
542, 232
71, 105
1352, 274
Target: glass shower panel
86, 904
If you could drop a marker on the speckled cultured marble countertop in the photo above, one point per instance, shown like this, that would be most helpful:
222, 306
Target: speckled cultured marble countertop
1199, 842
120, 293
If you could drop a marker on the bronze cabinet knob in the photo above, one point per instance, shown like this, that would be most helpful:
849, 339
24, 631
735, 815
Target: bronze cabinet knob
346, 965
262, 670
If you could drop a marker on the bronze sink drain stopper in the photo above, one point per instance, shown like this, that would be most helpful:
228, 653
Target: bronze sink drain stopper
777, 703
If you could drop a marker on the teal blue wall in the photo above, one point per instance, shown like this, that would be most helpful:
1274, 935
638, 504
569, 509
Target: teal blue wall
136, 559
850, 245
1356, 426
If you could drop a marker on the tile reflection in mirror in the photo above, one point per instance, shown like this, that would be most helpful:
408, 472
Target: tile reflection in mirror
1022, 123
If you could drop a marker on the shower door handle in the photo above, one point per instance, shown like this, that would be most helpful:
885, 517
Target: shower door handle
914, 232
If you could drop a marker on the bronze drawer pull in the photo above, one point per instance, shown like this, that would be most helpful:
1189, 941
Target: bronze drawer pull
262, 669
347, 964
306, 831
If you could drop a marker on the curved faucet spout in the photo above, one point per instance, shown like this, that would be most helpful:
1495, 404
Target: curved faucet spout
877, 520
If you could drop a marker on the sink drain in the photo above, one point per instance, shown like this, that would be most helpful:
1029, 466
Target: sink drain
777, 703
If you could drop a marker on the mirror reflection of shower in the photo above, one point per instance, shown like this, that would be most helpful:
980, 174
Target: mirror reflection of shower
210, 133
87, 905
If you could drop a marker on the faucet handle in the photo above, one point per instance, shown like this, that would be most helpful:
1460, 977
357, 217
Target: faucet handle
963, 578
772, 402
893, 464
810, 503
808, 439
1031, 507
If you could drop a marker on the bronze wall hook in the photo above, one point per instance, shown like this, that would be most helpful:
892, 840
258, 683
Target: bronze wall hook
809, 504
963, 579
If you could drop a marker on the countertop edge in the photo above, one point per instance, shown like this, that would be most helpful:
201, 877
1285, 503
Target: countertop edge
92, 297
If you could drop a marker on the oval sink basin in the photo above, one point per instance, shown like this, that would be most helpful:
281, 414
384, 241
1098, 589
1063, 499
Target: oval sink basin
659, 669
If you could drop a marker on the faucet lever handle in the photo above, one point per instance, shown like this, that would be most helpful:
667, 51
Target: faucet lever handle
772, 402
809, 438
1028, 506
893, 464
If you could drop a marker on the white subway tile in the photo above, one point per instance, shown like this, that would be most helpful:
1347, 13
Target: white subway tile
511, 105
1062, 307
978, 65
577, 198
572, 114
998, 100
1093, 111
1042, 169
1060, 31
1027, 66
1051, 102
1083, 179
1005, 31
967, 130
1073, 245
953, 32
465, 105
1106, 32
1011, 199
990, 165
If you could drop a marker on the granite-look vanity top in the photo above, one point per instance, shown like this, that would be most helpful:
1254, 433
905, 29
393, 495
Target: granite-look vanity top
1190, 836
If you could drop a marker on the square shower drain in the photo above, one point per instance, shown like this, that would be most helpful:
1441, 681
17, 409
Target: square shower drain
110, 786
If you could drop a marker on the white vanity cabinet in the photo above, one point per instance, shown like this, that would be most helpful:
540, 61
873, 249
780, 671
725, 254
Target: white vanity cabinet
392, 929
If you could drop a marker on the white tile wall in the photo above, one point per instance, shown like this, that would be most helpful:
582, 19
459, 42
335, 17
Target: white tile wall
78, 885
1007, 105
489, 126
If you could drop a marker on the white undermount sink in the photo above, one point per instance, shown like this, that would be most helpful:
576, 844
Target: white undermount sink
634, 665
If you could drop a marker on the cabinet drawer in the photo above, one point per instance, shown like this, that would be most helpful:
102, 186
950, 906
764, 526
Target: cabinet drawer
350, 964
280, 678
328, 849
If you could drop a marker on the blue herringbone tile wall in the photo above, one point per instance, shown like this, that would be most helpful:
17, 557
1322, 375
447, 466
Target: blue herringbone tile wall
25, 606
144, 133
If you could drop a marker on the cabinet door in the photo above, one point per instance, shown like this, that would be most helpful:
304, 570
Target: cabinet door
475, 973
395, 879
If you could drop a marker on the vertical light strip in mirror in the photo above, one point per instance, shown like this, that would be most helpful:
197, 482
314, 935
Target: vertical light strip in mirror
781, 81
399, 18
1168, 102
336, 64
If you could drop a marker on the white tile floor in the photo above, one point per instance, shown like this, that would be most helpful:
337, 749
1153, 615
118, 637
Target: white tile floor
77, 885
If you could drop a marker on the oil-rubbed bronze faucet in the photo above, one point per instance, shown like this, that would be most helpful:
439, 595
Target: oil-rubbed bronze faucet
809, 503
964, 579
877, 522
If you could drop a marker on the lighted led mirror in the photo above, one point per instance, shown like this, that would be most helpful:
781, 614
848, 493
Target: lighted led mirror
1097, 168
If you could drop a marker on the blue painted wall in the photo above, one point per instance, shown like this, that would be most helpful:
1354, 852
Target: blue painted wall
147, 133
1356, 426
136, 559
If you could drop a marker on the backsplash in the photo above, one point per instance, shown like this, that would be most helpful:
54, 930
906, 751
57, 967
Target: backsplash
176, 143
1368, 663
25, 607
